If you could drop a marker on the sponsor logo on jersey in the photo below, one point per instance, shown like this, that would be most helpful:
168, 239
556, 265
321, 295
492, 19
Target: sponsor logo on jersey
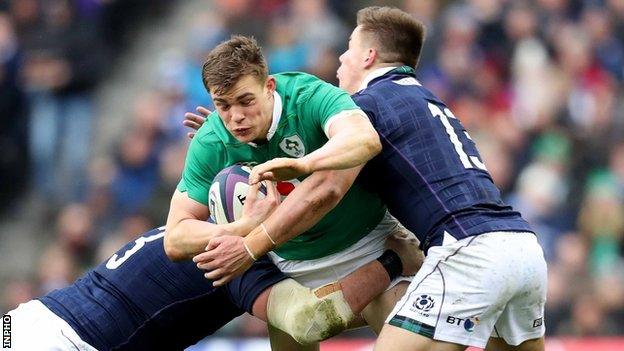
293, 146
468, 323
424, 303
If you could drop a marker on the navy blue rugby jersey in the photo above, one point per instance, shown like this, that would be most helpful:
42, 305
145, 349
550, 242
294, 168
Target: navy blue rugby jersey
429, 173
139, 300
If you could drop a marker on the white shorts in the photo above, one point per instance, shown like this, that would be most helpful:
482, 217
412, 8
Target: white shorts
34, 327
321, 271
493, 284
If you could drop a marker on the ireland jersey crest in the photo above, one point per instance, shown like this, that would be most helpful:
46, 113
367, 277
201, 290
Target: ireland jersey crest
293, 146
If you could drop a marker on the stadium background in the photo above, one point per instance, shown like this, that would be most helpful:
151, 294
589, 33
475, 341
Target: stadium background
537, 83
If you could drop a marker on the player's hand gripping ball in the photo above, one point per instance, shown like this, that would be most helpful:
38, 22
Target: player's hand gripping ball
228, 192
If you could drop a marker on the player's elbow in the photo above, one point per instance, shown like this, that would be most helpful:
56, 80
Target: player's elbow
172, 252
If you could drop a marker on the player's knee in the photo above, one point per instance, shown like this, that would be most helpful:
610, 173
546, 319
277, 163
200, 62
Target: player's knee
316, 321
306, 317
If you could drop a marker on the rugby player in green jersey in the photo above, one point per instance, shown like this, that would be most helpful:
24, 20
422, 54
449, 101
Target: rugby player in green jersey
260, 117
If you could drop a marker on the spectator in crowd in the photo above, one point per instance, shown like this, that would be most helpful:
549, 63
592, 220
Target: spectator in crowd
13, 116
61, 67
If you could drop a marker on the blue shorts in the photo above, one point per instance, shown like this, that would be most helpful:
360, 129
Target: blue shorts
244, 290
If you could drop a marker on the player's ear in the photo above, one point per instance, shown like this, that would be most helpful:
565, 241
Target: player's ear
370, 58
270, 85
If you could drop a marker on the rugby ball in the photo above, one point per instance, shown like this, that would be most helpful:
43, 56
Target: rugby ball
227, 194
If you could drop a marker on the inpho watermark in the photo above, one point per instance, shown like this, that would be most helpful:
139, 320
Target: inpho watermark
6, 331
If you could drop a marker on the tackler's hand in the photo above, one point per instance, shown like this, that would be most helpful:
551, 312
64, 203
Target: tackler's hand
226, 257
195, 121
405, 244
279, 169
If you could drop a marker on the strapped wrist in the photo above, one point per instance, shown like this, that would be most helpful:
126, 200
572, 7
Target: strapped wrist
258, 241
267, 234
251, 254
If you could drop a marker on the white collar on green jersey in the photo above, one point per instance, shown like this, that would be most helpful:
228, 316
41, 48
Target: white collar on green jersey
374, 74
277, 115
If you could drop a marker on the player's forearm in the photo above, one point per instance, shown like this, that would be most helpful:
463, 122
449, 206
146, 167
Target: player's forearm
188, 238
188, 232
346, 149
304, 207
191, 236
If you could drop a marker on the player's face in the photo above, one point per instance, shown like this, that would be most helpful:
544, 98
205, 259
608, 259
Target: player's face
353, 63
247, 108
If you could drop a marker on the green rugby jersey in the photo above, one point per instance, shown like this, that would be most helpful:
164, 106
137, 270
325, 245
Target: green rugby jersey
306, 104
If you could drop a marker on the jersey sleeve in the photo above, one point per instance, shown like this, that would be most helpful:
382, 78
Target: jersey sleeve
321, 102
203, 161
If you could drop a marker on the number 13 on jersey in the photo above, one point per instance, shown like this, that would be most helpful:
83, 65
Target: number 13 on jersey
115, 261
466, 160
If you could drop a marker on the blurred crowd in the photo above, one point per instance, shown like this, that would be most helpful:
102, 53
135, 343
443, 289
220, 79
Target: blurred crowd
538, 84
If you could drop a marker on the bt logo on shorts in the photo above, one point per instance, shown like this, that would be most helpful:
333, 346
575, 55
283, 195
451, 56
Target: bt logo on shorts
424, 303
468, 323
